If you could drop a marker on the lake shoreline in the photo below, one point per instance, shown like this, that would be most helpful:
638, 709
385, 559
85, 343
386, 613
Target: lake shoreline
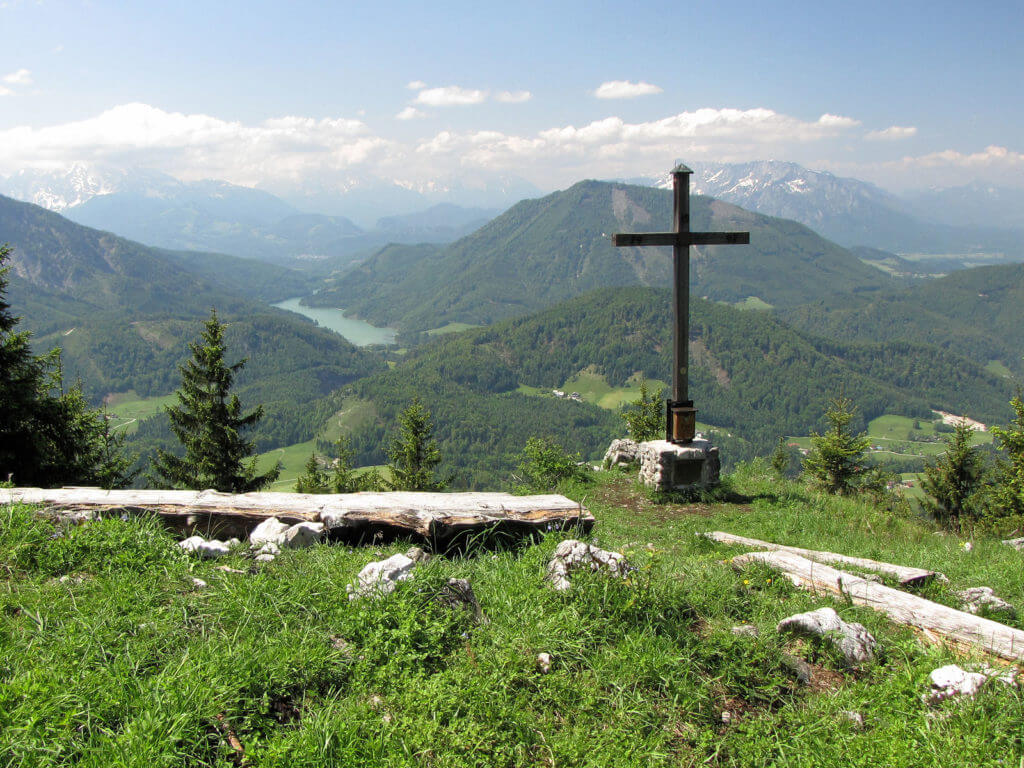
356, 331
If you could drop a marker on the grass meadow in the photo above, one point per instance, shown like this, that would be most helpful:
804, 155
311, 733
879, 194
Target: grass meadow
113, 656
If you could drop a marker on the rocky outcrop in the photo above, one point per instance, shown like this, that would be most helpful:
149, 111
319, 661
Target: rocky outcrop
854, 641
572, 554
621, 453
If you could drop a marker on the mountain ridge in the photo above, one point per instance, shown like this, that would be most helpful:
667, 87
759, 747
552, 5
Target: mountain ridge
550, 249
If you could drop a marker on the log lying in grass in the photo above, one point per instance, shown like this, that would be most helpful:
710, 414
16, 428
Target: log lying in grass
901, 573
937, 622
437, 518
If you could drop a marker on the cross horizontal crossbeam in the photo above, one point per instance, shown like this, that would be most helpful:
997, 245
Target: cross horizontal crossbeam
681, 239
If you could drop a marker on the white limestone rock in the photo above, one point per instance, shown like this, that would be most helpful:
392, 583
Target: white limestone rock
197, 545
380, 577
621, 453
853, 640
950, 681
572, 554
267, 552
270, 530
976, 598
302, 535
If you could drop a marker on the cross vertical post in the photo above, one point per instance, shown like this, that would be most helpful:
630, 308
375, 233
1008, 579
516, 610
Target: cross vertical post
681, 286
681, 416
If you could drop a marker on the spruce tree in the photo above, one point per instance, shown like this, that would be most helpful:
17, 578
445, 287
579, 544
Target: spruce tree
22, 382
414, 454
49, 436
836, 460
208, 421
780, 458
953, 478
645, 419
313, 479
1008, 493
344, 479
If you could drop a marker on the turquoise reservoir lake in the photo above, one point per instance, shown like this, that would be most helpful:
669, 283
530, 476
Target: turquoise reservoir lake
356, 331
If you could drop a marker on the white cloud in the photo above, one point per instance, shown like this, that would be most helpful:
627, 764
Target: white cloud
294, 151
5, 91
624, 89
416, 85
450, 95
20, 77
613, 147
410, 113
992, 156
837, 121
193, 146
514, 97
892, 133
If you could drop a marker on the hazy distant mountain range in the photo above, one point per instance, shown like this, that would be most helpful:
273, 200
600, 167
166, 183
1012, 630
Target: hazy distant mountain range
317, 226
963, 220
159, 210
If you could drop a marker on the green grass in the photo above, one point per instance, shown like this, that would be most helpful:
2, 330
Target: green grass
355, 413
890, 436
997, 368
128, 663
129, 409
594, 388
293, 459
753, 302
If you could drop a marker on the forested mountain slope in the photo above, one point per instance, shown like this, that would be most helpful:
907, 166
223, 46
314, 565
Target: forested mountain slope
752, 376
544, 251
124, 313
977, 313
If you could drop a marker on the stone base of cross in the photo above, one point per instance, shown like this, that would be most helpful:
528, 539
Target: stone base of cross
666, 466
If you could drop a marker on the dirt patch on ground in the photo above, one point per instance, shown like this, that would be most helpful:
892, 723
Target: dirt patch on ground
623, 492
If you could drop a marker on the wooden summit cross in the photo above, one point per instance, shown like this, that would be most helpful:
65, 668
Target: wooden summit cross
681, 416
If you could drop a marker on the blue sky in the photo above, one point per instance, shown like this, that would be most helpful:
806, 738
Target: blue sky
275, 94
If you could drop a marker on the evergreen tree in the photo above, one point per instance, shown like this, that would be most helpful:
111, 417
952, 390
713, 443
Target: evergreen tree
208, 422
780, 458
646, 419
1008, 493
543, 464
414, 454
836, 460
952, 480
49, 436
343, 479
313, 479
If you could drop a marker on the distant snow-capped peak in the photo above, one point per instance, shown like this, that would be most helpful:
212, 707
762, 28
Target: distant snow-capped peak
59, 190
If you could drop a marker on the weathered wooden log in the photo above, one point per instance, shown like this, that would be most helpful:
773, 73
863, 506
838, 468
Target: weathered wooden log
437, 518
938, 623
901, 573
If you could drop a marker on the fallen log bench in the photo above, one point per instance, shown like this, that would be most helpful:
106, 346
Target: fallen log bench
937, 623
437, 519
902, 574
